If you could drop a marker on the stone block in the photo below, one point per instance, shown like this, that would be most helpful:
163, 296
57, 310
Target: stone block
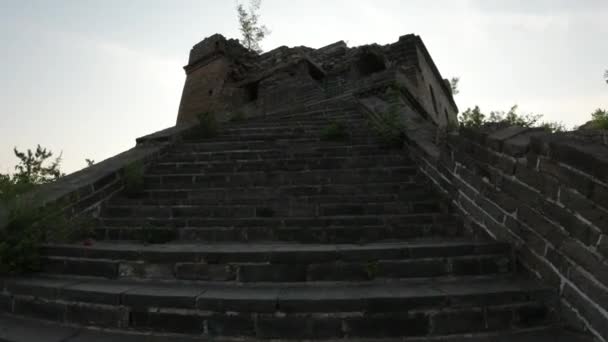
531, 315
585, 282
597, 319
299, 327
192, 271
41, 309
97, 315
454, 322
587, 259
231, 325
159, 296
382, 326
183, 322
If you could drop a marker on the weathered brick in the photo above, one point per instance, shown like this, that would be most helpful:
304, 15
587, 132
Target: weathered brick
587, 309
590, 287
395, 325
454, 322
97, 315
585, 207
585, 258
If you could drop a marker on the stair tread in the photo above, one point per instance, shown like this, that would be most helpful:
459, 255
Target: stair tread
16, 329
269, 247
186, 293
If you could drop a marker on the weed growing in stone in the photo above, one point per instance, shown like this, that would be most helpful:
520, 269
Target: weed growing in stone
335, 131
208, 127
133, 179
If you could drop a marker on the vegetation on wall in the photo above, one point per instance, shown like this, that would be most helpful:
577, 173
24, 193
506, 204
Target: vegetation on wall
252, 31
133, 180
25, 226
208, 126
335, 131
474, 118
599, 119
454, 85
387, 124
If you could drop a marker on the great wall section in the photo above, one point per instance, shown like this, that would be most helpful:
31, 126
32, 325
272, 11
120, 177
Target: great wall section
269, 231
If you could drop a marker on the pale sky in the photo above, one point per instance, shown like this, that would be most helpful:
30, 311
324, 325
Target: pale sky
87, 77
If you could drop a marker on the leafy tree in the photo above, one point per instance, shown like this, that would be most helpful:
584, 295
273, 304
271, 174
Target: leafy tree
599, 119
472, 118
90, 162
253, 33
33, 169
454, 84
606, 76
513, 118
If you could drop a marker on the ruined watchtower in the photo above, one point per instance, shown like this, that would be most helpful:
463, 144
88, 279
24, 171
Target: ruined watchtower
223, 76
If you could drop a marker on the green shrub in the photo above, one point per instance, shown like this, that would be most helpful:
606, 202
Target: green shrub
133, 179
29, 227
208, 127
20, 241
335, 131
599, 119
388, 126
553, 127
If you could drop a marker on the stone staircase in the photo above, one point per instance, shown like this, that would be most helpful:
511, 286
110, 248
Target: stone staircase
269, 232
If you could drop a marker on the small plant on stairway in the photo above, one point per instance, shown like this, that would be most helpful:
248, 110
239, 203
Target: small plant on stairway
388, 126
371, 270
28, 227
133, 179
208, 126
335, 131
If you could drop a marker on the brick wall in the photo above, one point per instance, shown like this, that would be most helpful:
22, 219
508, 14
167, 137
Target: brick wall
545, 193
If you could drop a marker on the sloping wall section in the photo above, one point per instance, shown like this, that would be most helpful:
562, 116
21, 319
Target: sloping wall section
547, 194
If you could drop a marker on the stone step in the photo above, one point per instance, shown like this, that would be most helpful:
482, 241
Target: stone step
279, 262
215, 145
295, 129
404, 190
278, 164
17, 329
297, 311
294, 124
200, 153
301, 234
306, 145
272, 209
251, 196
287, 139
270, 222
279, 178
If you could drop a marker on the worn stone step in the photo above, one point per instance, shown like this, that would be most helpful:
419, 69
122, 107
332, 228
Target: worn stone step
273, 209
279, 262
227, 145
200, 150
404, 190
293, 124
301, 234
267, 198
17, 329
342, 220
278, 164
282, 178
395, 309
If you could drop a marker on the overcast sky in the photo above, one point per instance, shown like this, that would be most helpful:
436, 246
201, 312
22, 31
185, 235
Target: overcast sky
87, 77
